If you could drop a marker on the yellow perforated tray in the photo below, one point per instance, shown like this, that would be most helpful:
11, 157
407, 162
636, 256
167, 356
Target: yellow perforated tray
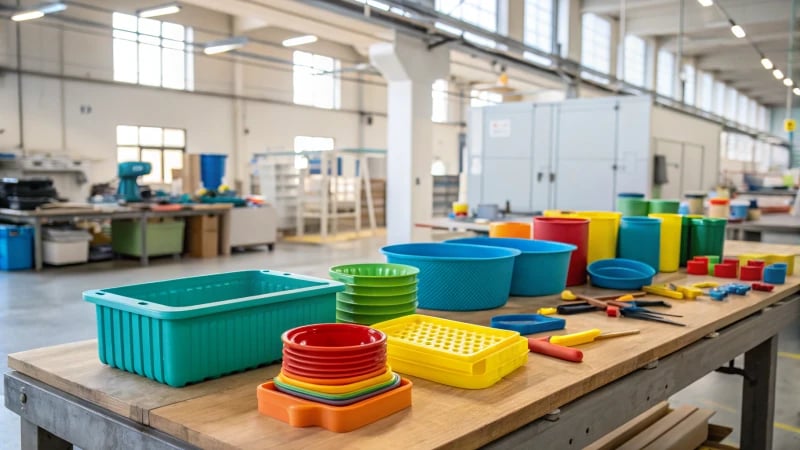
453, 353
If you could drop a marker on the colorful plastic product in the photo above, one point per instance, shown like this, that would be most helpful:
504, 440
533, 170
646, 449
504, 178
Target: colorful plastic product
689, 293
453, 353
750, 273
734, 261
756, 263
697, 267
718, 294
736, 288
775, 274
763, 287
299, 412
724, 270
527, 323
787, 259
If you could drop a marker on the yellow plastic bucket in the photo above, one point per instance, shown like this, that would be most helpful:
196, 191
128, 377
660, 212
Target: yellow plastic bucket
510, 230
670, 251
603, 231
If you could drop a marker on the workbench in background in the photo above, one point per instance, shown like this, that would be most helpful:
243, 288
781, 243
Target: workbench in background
770, 228
546, 404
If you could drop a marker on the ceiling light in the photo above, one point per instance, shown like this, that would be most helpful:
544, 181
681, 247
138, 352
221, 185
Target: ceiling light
38, 12
767, 63
788, 82
161, 10
300, 40
777, 74
705, 3
224, 45
737, 30
796, 91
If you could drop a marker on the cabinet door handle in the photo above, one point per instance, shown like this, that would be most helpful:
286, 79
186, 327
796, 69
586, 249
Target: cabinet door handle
552, 177
539, 176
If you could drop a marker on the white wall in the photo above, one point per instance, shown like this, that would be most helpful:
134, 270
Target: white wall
54, 122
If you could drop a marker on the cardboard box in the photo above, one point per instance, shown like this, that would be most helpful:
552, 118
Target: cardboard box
204, 236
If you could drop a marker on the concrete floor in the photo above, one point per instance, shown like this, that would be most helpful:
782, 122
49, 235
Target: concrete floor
42, 309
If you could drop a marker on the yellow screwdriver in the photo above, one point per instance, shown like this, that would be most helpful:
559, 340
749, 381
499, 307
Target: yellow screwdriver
584, 337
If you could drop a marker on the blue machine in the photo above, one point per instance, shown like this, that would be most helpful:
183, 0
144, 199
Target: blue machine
128, 172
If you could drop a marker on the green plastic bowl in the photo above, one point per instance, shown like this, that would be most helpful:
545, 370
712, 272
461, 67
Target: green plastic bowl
375, 274
374, 300
380, 291
371, 310
364, 319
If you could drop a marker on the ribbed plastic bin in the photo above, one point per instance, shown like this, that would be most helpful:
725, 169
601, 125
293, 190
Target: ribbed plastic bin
191, 329
164, 237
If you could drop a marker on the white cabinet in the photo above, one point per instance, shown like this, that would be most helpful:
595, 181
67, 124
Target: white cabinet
581, 153
254, 226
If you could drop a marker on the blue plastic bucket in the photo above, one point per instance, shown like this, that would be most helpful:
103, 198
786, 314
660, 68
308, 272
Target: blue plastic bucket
457, 277
739, 210
541, 269
212, 169
640, 240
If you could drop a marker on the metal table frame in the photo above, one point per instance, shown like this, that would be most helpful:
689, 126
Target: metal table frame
52, 418
36, 221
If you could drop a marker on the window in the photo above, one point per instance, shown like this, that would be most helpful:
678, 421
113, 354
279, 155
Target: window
596, 45
731, 99
665, 76
484, 98
689, 84
538, 28
310, 144
763, 118
481, 13
439, 94
706, 91
741, 109
719, 98
163, 148
635, 56
315, 81
152, 53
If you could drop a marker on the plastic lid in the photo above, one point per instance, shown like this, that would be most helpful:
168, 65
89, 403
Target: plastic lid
630, 195
695, 195
719, 201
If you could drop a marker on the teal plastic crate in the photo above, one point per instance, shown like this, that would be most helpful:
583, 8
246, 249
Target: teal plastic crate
191, 329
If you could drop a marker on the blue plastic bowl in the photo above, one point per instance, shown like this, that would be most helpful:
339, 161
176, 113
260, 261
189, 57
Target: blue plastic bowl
457, 277
541, 269
620, 273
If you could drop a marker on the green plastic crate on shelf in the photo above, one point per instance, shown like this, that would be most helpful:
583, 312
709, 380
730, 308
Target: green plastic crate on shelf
191, 329
164, 237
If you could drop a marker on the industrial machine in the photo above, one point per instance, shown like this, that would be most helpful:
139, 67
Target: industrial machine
128, 172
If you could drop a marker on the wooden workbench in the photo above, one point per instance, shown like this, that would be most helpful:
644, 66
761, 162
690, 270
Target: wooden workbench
37, 218
592, 397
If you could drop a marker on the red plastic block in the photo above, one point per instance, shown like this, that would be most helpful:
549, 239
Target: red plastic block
725, 270
697, 267
763, 287
750, 273
755, 263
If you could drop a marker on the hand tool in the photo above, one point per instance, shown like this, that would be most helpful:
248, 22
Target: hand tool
689, 292
584, 337
569, 295
634, 308
705, 284
656, 303
546, 311
541, 346
527, 323
576, 308
663, 291
644, 315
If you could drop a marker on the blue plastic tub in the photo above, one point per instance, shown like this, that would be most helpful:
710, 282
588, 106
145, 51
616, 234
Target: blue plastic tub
620, 273
16, 247
541, 269
212, 169
640, 240
457, 277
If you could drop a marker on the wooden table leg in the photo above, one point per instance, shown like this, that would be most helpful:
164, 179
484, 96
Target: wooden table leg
37, 243
225, 233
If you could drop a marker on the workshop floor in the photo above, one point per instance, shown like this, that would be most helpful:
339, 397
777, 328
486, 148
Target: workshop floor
43, 309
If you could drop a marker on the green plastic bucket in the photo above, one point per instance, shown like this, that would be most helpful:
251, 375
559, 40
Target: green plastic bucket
664, 206
632, 205
707, 237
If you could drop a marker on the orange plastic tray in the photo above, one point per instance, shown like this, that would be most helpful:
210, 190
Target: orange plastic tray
299, 412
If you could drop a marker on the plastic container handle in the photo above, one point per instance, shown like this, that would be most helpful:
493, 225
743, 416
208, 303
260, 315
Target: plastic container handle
543, 347
571, 340
305, 415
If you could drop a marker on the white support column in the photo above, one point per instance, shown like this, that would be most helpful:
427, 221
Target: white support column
410, 70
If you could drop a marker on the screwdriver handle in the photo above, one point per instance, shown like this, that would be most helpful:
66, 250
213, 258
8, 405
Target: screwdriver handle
571, 340
593, 301
543, 347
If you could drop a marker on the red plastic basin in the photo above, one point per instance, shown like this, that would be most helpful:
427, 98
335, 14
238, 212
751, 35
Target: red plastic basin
341, 339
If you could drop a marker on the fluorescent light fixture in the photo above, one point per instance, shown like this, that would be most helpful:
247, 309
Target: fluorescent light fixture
767, 63
796, 91
788, 82
299, 40
777, 74
160, 10
737, 31
224, 45
40, 11
705, 3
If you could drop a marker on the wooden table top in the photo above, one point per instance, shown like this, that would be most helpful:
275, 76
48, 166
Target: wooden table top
123, 211
222, 413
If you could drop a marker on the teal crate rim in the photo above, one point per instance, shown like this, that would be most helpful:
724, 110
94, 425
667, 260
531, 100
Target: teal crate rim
159, 311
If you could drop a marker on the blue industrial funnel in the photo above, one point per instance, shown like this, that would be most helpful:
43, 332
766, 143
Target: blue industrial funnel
212, 169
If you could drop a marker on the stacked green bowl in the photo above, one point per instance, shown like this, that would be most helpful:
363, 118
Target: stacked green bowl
375, 292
